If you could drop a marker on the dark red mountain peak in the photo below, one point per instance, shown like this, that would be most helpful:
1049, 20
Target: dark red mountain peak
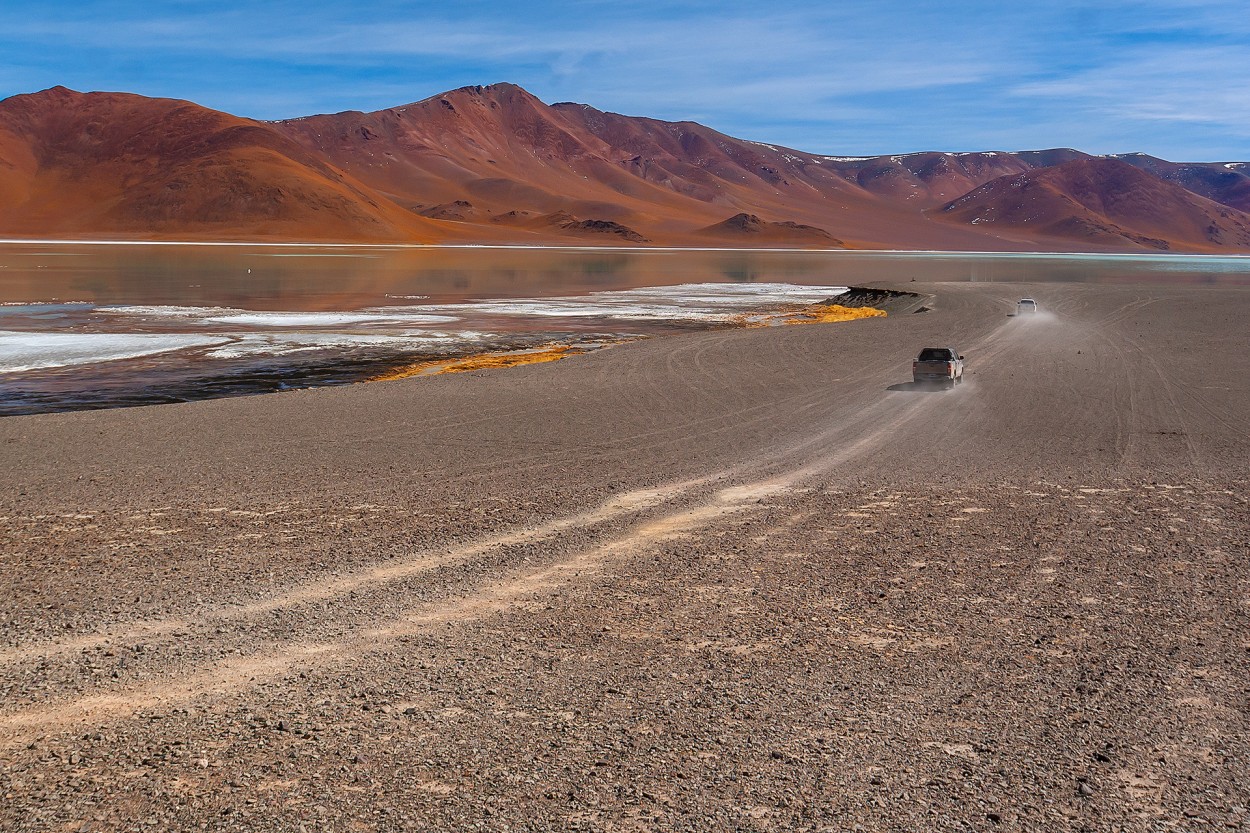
58, 91
50, 94
52, 97
500, 91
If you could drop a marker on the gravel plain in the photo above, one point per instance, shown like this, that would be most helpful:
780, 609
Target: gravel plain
740, 580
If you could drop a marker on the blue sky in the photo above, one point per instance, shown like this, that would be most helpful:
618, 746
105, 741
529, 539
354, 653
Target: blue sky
1170, 78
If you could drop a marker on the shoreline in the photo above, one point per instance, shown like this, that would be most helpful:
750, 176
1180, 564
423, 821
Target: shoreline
637, 249
273, 376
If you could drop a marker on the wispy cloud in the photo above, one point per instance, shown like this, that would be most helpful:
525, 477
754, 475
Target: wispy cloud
1209, 85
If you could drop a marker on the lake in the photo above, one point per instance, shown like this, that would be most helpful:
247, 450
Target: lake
91, 325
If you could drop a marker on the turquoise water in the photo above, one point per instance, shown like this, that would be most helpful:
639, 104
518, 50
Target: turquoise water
96, 325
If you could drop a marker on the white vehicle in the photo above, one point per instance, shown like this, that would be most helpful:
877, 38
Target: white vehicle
1026, 306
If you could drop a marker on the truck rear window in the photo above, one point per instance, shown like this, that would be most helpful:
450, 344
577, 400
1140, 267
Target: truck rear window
935, 354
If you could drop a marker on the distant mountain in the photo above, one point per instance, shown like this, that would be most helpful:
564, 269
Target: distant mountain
1103, 201
496, 165
504, 151
1227, 183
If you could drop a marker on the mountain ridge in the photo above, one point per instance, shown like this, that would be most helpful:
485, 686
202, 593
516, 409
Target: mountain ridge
494, 164
1103, 200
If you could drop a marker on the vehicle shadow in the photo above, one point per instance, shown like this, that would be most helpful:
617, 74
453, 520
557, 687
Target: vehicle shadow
918, 387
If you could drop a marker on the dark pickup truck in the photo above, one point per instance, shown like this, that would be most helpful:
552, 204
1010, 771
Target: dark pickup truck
941, 365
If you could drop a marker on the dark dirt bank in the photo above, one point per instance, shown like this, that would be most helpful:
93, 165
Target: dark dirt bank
893, 301
722, 581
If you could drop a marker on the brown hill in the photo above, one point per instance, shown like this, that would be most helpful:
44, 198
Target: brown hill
506, 151
496, 165
926, 179
1102, 201
1223, 182
720, 171
114, 164
458, 210
742, 226
566, 223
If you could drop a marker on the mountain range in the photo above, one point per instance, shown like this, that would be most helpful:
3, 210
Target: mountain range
495, 164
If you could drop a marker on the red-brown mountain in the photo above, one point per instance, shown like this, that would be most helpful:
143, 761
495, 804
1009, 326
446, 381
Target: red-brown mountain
495, 164
1103, 201
508, 154
743, 226
1224, 182
105, 164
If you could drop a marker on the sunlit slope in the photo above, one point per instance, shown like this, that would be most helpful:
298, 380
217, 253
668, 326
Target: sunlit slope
495, 164
497, 157
118, 164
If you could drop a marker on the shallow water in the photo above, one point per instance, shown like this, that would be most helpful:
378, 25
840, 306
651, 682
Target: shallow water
99, 325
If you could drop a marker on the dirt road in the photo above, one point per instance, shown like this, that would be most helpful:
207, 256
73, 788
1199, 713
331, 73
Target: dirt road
748, 579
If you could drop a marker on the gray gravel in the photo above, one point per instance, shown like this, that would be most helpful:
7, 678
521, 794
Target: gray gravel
746, 580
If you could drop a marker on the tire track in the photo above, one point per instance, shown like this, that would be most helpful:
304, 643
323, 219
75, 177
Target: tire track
160, 685
223, 678
631, 503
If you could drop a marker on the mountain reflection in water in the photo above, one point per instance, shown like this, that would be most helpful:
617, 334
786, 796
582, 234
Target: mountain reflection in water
110, 325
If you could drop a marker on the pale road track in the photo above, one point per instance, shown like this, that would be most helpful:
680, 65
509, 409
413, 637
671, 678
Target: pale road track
188, 559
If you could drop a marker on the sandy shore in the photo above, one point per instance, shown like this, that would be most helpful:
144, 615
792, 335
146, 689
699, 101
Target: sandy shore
737, 580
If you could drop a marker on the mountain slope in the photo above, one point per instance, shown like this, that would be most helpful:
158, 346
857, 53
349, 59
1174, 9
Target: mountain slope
118, 164
506, 152
1224, 182
495, 164
1103, 201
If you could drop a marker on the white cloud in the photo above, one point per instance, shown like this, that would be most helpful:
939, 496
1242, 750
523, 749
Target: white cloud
1208, 85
